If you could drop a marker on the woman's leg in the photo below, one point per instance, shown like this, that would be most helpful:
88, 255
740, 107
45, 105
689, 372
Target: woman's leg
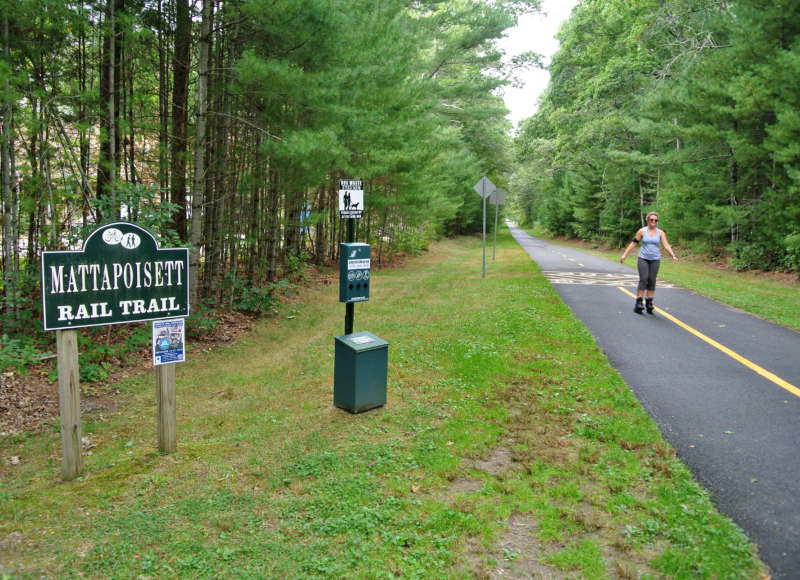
651, 277
644, 275
644, 269
651, 284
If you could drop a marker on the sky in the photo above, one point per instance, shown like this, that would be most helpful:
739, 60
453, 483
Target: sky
534, 32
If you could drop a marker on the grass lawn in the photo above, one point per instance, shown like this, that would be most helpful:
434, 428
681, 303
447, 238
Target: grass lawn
508, 445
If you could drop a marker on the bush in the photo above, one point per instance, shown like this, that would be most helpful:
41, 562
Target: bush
17, 353
792, 259
410, 241
91, 372
202, 323
297, 265
755, 256
259, 300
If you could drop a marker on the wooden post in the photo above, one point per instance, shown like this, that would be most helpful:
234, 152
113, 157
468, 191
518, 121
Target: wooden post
165, 394
69, 403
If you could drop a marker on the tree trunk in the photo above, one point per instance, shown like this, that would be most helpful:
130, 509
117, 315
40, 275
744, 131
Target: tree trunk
734, 181
291, 229
83, 137
199, 181
35, 215
131, 117
9, 233
272, 219
163, 107
108, 160
180, 100
320, 245
333, 205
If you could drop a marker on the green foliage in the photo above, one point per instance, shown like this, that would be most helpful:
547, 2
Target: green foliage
258, 300
21, 313
202, 322
297, 264
138, 203
792, 259
410, 241
404, 95
103, 348
688, 108
17, 353
94, 372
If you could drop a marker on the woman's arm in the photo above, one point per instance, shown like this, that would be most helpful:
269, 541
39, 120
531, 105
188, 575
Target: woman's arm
667, 246
632, 245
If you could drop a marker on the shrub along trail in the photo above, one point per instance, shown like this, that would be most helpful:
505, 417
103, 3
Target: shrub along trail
508, 445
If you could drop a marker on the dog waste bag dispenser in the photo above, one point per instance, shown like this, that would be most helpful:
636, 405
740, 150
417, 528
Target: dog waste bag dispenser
354, 272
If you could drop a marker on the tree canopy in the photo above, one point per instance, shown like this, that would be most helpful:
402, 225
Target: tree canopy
227, 125
686, 107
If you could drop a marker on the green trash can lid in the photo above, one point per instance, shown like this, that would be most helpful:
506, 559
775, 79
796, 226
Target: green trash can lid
362, 341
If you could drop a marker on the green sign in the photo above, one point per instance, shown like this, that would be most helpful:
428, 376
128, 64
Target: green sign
120, 276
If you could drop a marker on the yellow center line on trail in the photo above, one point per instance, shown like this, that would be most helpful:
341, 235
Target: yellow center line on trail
734, 355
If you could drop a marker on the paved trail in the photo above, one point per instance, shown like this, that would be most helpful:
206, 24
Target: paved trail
723, 385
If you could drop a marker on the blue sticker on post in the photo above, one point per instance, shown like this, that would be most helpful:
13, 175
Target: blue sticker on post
168, 341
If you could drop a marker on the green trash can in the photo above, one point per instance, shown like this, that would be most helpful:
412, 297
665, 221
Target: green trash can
359, 372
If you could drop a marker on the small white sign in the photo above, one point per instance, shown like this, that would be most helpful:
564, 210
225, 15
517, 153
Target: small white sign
169, 345
351, 198
362, 264
361, 339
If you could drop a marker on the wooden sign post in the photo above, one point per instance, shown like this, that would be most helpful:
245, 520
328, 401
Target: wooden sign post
69, 403
119, 276
165, 397
168, 349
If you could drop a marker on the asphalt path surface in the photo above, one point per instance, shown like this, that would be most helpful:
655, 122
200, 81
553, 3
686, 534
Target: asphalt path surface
737, 430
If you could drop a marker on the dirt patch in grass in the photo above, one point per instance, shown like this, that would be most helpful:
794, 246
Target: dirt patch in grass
498, 462
464, 485
536, 436
519, 554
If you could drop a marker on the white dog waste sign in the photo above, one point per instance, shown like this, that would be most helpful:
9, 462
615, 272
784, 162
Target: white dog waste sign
351, 198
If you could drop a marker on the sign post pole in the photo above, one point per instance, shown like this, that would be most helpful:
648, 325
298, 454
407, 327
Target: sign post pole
497, 198
165, 396
69, 403
350, 307
484, 188
494, 245
484, 231
168, 349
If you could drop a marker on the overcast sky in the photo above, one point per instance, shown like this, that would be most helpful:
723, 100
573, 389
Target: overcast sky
536, 33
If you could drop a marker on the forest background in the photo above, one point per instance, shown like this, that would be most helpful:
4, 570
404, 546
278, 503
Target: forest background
225, 127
